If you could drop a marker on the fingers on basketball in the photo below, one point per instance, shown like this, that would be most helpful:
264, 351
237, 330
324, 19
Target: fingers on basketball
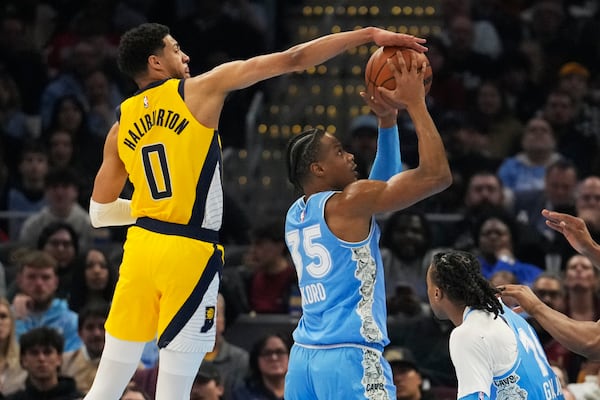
378, 73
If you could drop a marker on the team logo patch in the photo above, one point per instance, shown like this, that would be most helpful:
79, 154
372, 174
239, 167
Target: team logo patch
146, 102
481, 396
209, 319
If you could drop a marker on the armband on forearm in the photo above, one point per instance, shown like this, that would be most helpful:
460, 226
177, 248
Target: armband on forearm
111, 214
387, 161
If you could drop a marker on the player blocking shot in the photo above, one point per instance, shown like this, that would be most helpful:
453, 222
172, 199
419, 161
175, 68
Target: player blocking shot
166, 142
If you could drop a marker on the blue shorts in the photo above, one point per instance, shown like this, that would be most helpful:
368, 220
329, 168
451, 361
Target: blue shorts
338, 373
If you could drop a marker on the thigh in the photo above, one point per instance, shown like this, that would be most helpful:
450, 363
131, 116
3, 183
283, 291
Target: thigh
297, 379
365, 375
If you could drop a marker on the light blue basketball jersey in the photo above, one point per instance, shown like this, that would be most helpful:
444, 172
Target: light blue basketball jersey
531, 377
341, 283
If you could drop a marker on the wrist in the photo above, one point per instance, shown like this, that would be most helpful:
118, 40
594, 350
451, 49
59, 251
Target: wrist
388, 121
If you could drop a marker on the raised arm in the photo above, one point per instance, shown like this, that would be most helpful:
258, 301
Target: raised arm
581, 337
432, 175
576, 233
388, 160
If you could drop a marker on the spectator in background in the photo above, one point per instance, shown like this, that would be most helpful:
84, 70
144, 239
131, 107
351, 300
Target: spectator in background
41, 356
61, 193
410, 383
500, 127
582, 302
484, 193
26, 194
101, 114
134, 393
549, 288
560, 111
267, 277
61, 150
37, 305
526, 170
496, 239
269, 359
13, 121
94, 280
60, 240
22, 60
69, 114
13, 375
405, 239
82, 363
560, 181
207, 384
587, 204
363, 142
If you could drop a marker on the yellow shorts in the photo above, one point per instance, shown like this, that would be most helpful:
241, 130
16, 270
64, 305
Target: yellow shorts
167, 288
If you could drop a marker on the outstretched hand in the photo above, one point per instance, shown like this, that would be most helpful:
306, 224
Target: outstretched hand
573, 229
387, 38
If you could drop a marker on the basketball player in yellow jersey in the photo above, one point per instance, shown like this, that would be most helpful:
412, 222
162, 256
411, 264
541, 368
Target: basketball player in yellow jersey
165, 140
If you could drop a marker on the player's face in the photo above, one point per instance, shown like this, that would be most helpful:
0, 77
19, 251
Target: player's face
433, 294
338, 165
176, 60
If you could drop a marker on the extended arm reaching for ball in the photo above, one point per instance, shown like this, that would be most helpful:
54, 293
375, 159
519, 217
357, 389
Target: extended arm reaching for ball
582, 337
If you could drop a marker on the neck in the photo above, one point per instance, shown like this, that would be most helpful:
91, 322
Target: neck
456, 315
582, 304
275, 384
44, 385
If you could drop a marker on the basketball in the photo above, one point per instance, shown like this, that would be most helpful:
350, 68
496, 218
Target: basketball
377, 72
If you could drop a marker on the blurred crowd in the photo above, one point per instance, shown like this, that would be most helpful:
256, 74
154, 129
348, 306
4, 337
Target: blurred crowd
515, 95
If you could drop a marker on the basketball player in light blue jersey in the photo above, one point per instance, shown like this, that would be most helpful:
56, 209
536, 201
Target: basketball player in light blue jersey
333, 239
495, 352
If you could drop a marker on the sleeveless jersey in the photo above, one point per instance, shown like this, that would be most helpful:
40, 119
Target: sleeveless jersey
531, 377
341, 283
173, 161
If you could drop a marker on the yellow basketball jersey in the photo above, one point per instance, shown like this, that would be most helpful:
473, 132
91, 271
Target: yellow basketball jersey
173, 161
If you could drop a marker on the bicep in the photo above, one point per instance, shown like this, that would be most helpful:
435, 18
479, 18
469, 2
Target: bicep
111, 176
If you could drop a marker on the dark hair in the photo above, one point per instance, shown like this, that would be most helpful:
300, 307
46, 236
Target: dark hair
33, 146
95, 309
54, 227
79, 290
562, 164
501, 215
254, 374
391, 224
302, 150
36, 259
61, 176
458, 274
137, 45
42, 336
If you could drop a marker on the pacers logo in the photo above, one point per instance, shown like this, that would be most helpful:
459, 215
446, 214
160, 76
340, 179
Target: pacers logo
209, 319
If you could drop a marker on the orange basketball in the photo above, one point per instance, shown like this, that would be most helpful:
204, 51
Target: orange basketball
377, 72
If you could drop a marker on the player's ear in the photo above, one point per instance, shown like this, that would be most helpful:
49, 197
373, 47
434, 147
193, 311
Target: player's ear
153, 61
316, 169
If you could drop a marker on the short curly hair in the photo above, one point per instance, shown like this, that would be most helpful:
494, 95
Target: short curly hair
137, 44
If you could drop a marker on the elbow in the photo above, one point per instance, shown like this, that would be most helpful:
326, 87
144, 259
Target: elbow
443, 179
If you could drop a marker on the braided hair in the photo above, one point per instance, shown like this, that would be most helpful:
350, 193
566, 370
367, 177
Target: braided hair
302, 151
458, 274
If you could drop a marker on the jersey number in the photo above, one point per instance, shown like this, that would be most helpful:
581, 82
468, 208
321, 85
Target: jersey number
320, 263
533, 346
156, 168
